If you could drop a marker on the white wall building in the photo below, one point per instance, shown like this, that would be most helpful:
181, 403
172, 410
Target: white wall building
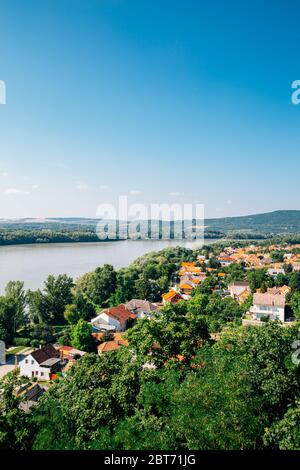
40, 363
268, 305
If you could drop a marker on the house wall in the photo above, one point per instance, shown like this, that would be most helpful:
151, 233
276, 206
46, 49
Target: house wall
273, 312
110, 321
31, 368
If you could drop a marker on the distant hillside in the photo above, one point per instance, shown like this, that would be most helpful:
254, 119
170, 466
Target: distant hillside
283, 221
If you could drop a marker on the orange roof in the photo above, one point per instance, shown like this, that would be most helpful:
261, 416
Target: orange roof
98, 336
120, 313
221, 274
187, 263
108, 346
169, 295
113, 345
186, 286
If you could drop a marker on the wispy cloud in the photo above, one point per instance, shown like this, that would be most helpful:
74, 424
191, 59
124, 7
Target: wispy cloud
35, 186
103, 186
174, 193
4, 174
134, 192
82, 187
12, 191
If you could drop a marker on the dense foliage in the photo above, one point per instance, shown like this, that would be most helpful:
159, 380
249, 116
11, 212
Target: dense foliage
176, 385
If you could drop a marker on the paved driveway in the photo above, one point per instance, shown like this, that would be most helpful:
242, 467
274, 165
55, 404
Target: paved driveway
5, 368
11, 362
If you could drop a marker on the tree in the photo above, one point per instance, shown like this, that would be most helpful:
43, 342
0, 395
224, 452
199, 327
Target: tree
235, 272
295, 304
273, 375
147, 289
97, 392
198, 303
285, 434
222, 311
294, 282
81, 336
48, 306
8, 319
258, 279
174, 332
16, 429
99, 285
277, 256
58, 294
38, 307
71, 314
14, 291
207, 285
84, 307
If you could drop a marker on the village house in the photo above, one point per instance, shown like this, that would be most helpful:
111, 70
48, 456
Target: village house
239, 290
69, 353
29, 395
226, 260
275, 271
172, 296
113, 319
186, 287
284, 290
189, 268
141, 308
113, 345
268, 305
41, 363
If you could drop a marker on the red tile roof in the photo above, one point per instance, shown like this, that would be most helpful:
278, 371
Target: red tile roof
120, 313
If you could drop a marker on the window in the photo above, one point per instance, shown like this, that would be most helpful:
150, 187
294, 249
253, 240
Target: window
42, 374
26, 361
36, 372
32, 362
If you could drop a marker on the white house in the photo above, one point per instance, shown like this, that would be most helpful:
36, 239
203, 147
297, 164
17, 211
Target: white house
40, 363
113, 319
274, 271
268, 305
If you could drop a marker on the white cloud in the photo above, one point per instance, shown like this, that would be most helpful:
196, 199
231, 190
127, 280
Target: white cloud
103, 186
82, 187
15, 191
174, 193
4, 174
134, 192
35, 186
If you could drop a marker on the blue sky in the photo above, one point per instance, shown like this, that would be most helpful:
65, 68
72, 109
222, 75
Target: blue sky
162, 100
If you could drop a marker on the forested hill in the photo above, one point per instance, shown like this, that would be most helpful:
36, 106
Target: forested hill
59, 230
283, 221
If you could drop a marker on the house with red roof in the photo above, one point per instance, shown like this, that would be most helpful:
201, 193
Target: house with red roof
113, 319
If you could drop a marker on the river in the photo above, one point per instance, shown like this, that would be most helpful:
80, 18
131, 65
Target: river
33, 263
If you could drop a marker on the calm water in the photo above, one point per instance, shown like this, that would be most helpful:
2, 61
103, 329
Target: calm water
33, 263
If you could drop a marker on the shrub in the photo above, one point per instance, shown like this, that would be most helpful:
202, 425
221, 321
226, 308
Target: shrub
265, 319
21, 341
